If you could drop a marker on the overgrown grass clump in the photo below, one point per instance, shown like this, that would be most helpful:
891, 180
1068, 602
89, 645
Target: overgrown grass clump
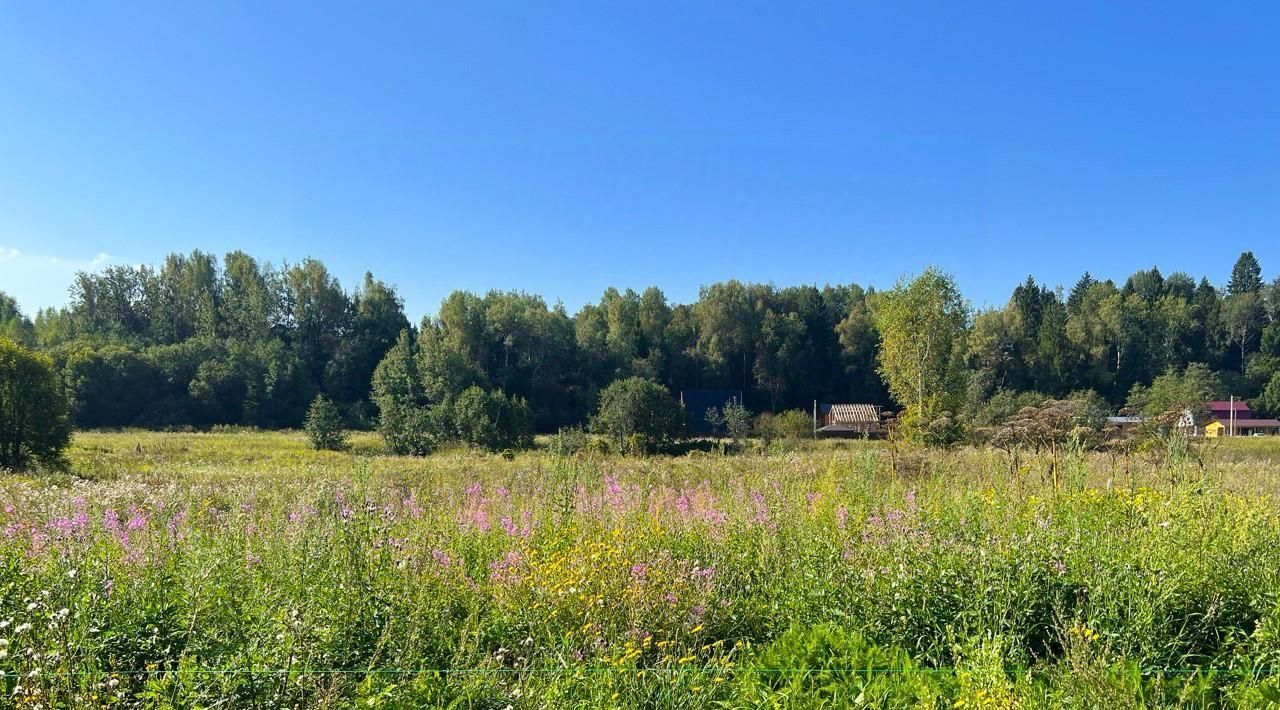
244, 569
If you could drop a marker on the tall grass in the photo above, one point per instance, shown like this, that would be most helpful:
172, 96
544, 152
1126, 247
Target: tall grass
242, 569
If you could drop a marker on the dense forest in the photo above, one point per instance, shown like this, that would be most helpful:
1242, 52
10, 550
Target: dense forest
198, 341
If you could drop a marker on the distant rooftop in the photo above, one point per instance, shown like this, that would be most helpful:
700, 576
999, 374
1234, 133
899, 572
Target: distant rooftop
1226, 406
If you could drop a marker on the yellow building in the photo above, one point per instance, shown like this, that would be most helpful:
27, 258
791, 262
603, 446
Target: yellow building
1215, 428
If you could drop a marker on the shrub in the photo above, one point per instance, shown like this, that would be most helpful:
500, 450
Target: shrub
791, 425
733, 419
324, 425
33, 413
491, 420
412, 429
569, 441
638, 406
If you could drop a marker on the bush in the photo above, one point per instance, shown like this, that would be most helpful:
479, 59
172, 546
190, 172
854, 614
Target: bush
733, 419
411, 429
324, 425
491, 420
33, 412
791, 425
638, 406
569, 441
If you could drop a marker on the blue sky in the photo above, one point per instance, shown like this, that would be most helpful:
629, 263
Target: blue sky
560, 148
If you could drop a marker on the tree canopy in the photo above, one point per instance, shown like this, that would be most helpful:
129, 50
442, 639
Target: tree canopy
33, 417
199, 340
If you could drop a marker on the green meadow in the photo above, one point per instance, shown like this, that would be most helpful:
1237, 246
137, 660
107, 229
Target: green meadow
244, 569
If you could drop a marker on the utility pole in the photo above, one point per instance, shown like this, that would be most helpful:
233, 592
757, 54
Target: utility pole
1231, 431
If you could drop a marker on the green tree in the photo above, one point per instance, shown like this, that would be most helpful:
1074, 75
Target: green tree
726, 326
638, 413
858, 343
377, 320
778, 367
1268, 402
1246, 275
34, 426
1176, 389
13, 324
324, 425
733, 419
253, 299
320, 313
406, 419
491, 420
1243, 321
922, 325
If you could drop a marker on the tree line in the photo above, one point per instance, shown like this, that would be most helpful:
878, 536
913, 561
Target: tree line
201, 341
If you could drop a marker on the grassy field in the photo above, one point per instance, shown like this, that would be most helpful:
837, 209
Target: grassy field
243, 569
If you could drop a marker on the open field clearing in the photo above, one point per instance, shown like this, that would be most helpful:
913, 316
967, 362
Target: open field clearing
244, 569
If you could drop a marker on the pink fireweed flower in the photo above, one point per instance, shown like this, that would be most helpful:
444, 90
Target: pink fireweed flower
174, 527
507, 569
509, 526
703, 572
137, 522
613, 490
714, 516
842, 515
411, 504
670, 598
682, 504
762, 509
639, 571
441, 558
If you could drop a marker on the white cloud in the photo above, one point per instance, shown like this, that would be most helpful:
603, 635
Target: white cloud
40, 280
